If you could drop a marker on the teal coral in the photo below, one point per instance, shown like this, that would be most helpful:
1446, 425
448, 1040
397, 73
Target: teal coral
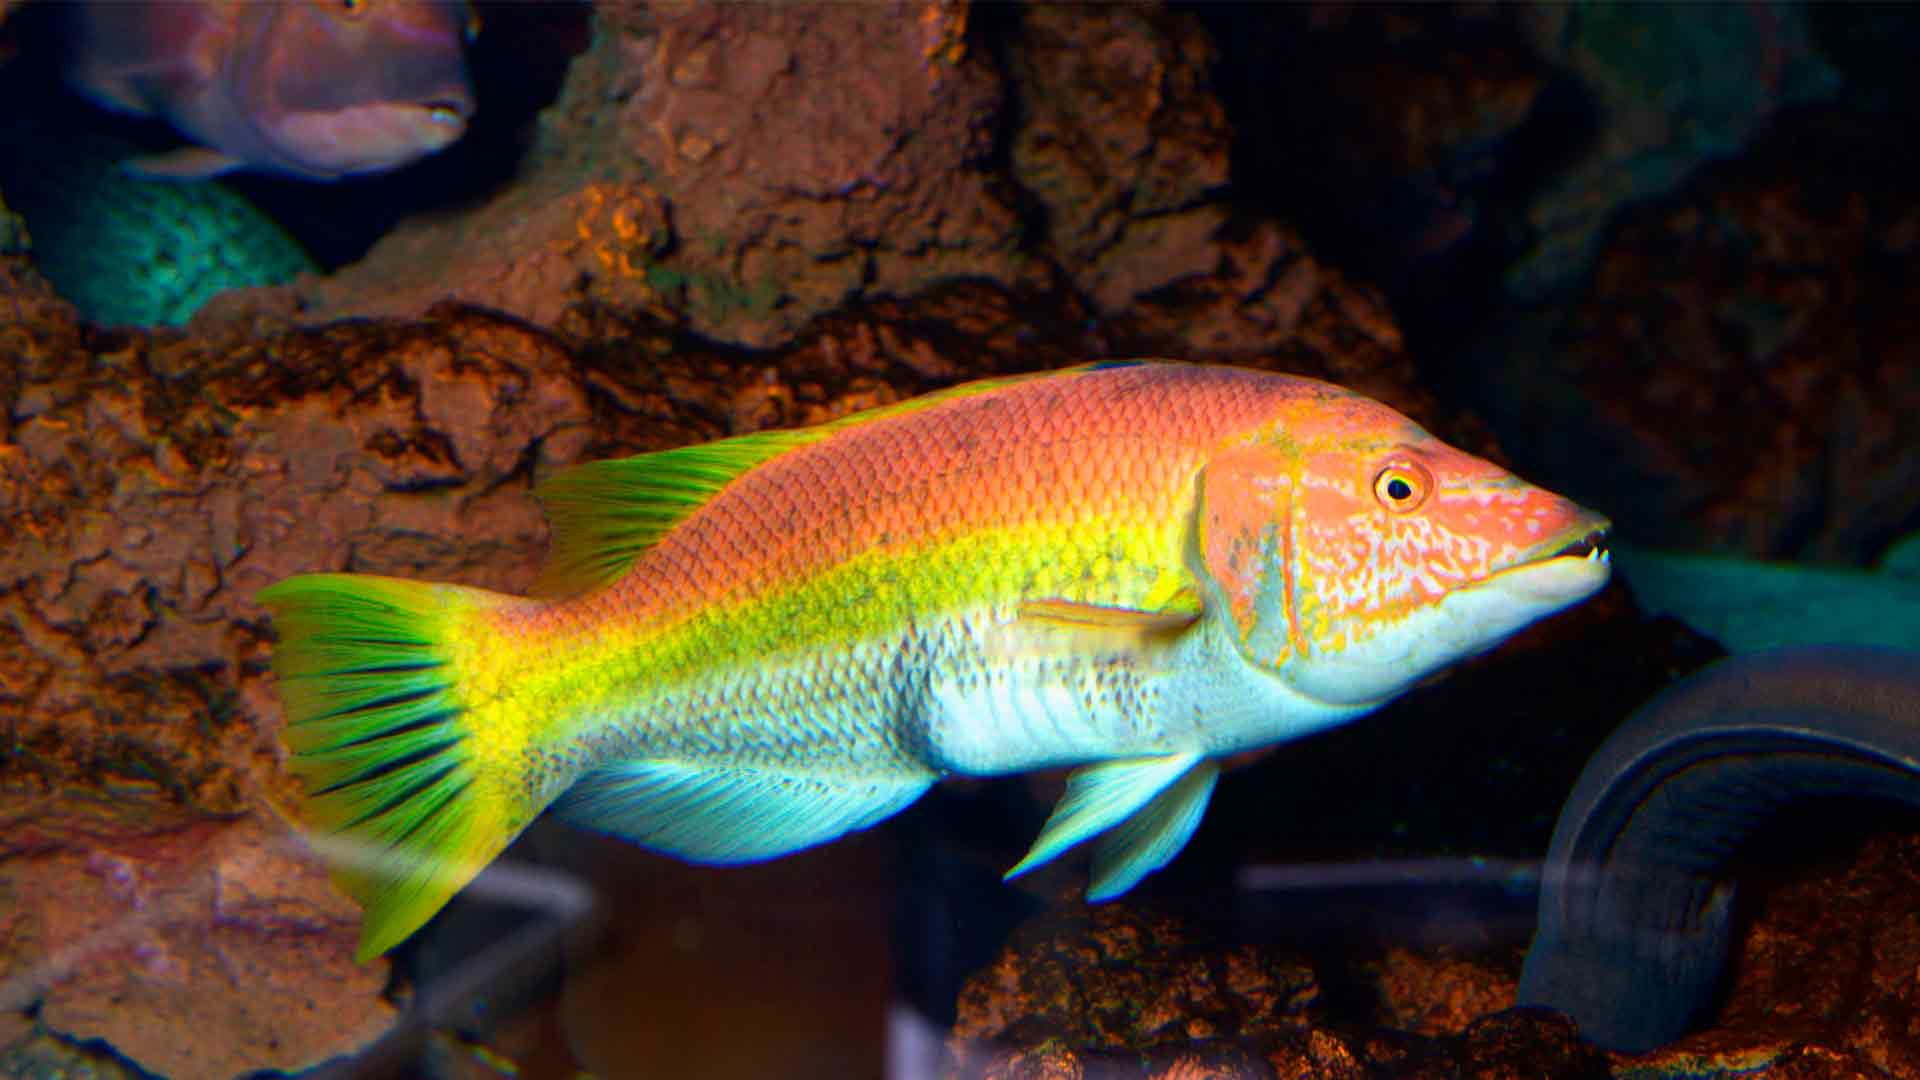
127, 251
1747, 604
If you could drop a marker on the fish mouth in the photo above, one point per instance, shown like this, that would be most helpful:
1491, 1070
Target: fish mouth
1561, 570
1591, 545
452, 113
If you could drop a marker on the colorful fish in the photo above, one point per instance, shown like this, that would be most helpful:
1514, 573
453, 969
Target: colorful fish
318, 89
756, 645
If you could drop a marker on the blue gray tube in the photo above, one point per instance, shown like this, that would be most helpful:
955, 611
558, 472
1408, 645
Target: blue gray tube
1633, 932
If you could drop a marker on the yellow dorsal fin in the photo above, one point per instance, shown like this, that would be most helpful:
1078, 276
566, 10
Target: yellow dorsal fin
606, 514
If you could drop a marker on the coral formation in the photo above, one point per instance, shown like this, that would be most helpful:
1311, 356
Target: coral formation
134, 252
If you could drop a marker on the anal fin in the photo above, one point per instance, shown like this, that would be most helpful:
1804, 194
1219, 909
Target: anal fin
732, 814
1100, 796
185, 163
1151, 838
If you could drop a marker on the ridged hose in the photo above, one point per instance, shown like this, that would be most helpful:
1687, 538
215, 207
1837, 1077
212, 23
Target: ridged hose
1634, 928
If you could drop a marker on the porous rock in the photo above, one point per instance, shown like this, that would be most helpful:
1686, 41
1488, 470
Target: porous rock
150, 486
738, 168
1120, 141
1116, 991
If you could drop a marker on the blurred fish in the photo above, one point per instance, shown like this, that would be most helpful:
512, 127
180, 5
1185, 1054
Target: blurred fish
760, 644
128, 252
318, 89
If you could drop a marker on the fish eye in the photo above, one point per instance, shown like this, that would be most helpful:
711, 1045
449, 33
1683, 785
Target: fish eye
354, 8
1402, 486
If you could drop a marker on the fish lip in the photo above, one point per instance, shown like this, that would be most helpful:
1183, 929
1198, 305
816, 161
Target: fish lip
453, 111
1590, 543
1564, 569
1587, 542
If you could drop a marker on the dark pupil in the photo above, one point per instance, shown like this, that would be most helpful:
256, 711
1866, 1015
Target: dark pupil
1399, 490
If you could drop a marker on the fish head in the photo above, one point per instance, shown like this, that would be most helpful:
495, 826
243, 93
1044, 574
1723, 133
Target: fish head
1355, 554
346, 87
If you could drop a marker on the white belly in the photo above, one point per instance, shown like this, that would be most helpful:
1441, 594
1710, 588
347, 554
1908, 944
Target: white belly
1000, 701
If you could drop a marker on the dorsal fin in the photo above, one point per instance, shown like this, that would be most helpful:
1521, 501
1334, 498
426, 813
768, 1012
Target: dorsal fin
606, 514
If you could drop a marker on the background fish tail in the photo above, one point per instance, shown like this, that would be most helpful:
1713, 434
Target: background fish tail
404, 806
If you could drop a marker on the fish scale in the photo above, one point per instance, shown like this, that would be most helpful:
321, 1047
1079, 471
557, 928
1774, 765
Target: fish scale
760, 644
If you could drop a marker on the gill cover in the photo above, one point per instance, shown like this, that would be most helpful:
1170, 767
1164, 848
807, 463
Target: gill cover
1242, 539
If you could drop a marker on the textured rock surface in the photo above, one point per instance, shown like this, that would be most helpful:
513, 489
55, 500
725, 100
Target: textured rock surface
1121, 143
151, 485
1667, 88
1386, 130
1116, 991
738, 167
1742, 372
195, 948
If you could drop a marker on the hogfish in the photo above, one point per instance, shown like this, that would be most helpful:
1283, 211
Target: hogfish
748, 647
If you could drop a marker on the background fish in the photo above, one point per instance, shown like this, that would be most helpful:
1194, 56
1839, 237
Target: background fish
766, 642
318, 89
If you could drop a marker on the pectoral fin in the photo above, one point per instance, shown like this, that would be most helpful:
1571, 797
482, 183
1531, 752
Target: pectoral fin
1101, 796
1069, 615
186, 163
731, 815
1151, 838
1052, 627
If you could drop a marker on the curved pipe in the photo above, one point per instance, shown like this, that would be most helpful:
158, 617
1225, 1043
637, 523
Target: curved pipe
1633, 931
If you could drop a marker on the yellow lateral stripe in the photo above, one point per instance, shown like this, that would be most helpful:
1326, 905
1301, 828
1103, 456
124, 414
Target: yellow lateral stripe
1114, 564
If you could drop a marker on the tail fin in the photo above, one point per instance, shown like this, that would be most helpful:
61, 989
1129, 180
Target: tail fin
375, 723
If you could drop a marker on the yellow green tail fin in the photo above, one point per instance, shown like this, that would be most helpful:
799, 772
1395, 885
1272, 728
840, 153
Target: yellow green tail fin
375, 726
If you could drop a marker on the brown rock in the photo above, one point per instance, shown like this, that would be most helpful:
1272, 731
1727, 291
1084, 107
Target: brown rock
739, 168
1440, 993
1094, 987
1117, 991
207, 950
1121, 142
151, 485
1380, 128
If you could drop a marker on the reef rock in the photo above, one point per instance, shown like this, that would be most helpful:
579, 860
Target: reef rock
1389, 131
738, 168
160, 900
1665, 90
1823, 988
1116, 992
1121, 143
